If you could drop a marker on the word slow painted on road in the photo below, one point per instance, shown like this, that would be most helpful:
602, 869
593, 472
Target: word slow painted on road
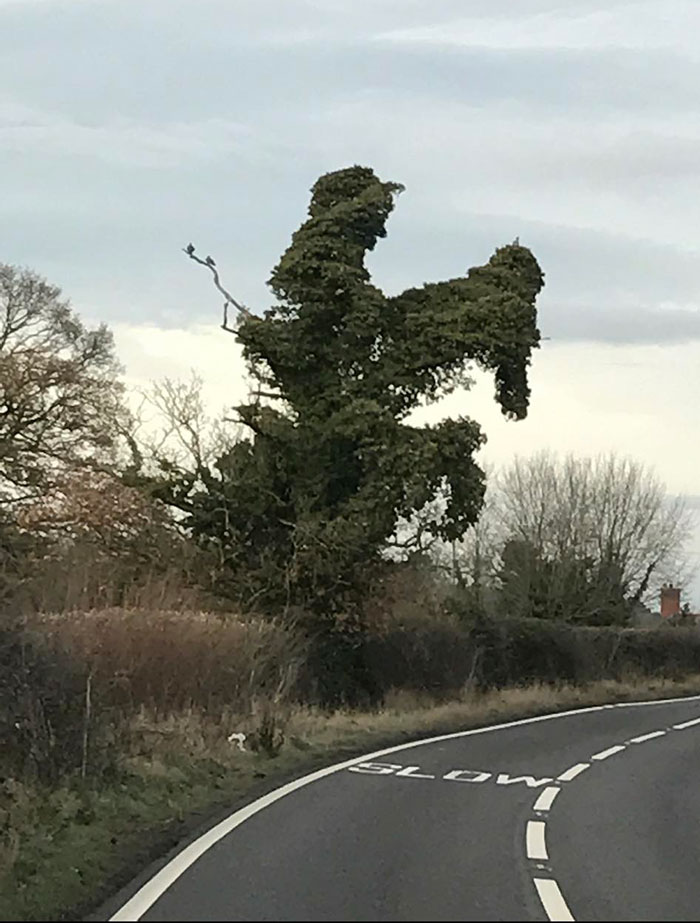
472, 776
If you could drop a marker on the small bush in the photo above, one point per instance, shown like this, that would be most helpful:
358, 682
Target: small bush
52, 718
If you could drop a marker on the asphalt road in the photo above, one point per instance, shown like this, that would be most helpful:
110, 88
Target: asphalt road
571, 817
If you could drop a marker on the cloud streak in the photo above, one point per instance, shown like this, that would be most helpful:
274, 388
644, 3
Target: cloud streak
122, 142
644, 25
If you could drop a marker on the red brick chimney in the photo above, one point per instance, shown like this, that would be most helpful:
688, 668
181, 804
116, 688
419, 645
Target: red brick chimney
670, 601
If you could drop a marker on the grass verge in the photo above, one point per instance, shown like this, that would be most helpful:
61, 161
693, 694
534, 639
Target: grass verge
64, 851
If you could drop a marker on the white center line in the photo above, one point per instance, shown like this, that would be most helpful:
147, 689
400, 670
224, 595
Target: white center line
552, 899
534, 840
645, 737
686, 724
611, 751
544, 802
573, 772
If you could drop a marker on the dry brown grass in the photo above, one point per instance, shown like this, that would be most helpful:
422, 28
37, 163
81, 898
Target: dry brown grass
175, 661
194, 735
406, 714
83, 578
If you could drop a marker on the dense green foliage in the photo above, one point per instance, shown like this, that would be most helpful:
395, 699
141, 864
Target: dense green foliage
565, 588
302, 511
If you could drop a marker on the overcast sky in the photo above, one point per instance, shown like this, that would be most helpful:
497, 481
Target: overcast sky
130, 127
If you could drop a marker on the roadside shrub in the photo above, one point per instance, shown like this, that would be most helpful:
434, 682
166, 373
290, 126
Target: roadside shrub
52, 718
172, 661
446, 656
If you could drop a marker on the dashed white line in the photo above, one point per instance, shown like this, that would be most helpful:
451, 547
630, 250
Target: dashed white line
546, 799
573, 772
548, 890
645, 737
552, 899
611, 751
534, 840
686, 724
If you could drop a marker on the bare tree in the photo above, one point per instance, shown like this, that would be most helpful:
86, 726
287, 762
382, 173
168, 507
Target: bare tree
174, 431
608, 516
60, 398
472, 562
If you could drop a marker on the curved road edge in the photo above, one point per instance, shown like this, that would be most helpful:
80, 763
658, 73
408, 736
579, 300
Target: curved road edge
151, 891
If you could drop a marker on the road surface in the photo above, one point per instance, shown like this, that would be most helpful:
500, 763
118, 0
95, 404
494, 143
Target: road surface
586, 815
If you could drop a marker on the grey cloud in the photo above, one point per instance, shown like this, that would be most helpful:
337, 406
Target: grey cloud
165, 60
621, 324
159, 122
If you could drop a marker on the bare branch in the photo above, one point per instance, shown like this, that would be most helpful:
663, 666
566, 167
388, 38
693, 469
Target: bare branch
230, 300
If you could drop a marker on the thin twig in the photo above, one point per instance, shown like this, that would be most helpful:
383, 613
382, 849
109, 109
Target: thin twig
86, 725
210, 264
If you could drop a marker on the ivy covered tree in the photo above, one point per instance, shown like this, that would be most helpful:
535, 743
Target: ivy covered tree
302, 510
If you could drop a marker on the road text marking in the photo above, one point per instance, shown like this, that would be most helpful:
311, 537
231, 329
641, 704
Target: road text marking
411, 772
454, 775
504, 779
375, 769
466, 775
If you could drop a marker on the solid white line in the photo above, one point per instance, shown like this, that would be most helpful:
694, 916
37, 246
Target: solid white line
686, 724
573, 772
682, 698
546, 799
645, 737
552, 899
611, 751
534, 840
149, 893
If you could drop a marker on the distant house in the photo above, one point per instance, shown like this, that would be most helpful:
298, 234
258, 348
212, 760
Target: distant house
670, 601
671, 611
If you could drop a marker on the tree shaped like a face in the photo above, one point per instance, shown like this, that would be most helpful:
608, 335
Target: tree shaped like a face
340, 466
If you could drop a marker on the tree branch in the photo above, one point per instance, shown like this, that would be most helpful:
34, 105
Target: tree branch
210, 264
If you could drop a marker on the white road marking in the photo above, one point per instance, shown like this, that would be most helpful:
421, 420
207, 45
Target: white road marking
375, 769
573, 772
686, 724
504, 779
534, 840
410, 772
683, 698
546, 799
472, 775
645, 737
149, 893
454, 775
611, 751
552, 900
